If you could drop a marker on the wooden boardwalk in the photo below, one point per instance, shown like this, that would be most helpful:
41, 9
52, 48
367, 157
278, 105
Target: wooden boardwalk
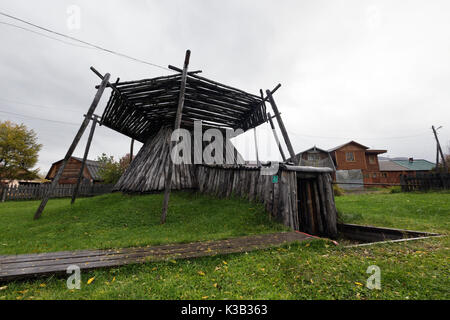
16, 267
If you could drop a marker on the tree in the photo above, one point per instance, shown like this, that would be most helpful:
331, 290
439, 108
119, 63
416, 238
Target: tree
18, 151
112, 170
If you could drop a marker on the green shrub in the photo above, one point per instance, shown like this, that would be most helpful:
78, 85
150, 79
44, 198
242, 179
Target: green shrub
395, 190
338, 191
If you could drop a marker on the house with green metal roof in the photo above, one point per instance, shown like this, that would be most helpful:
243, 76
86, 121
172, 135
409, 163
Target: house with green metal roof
392, 168
416, 164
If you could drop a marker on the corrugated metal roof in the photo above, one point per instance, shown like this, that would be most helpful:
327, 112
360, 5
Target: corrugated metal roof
416, 164
389, 165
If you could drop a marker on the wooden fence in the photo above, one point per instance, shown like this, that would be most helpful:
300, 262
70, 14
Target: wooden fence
35, 192
425, 182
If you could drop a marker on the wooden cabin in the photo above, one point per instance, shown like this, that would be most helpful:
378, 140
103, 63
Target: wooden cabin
353, 156
72, 170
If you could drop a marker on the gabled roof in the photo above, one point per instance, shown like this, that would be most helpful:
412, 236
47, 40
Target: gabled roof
313, 149
416, 164
326, 163
92, 166
389, 165
350, 142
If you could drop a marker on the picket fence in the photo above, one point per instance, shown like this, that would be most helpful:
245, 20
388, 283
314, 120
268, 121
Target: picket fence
36, 192
425, 182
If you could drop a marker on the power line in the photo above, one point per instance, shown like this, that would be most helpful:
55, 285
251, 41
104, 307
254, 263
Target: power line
36, 118
43, 35
39, 106
85, 42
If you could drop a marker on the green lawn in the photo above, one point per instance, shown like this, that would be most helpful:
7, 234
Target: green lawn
310, 270
116, 221
416, 211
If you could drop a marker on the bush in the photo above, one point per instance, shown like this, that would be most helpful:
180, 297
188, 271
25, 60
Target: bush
112, 170
395, 190
338, 191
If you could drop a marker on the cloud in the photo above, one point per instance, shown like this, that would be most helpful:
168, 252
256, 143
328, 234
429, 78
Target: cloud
372, 71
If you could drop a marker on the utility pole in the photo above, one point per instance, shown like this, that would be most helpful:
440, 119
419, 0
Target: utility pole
439, 150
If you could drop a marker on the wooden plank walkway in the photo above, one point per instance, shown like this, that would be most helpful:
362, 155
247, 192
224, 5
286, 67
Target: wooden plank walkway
16, 267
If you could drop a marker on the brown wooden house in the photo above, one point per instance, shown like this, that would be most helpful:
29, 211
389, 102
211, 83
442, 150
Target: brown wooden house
353, 156
392, 169
72, 170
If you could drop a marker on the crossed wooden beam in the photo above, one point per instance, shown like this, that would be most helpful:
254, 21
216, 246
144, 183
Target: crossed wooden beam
90, 116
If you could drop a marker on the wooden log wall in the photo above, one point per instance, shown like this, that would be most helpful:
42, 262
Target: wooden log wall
301, 201
148, 169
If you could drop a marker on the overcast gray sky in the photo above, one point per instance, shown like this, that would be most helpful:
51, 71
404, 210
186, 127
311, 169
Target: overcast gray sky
377, 72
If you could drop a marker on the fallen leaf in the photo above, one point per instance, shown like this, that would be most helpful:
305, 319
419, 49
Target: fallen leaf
224, 262
201, 273
359, 284
42, 285
3, 288
90, 280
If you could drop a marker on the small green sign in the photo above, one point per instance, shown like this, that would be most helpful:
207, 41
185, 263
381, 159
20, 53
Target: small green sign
275, 179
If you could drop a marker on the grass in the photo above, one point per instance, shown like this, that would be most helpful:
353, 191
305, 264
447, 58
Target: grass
415, 211
308, 270
116, 220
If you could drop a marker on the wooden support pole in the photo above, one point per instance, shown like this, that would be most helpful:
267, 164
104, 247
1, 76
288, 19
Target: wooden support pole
74, 144
281, 124
83, 164
256, 147
276, 137
131, 150
440, 150
168, 181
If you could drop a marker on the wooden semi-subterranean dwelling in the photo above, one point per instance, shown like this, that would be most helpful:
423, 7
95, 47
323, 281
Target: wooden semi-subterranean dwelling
149, 110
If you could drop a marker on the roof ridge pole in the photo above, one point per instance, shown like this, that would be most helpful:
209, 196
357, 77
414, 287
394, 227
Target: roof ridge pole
281, 125
74, 144
83, 164
176, 127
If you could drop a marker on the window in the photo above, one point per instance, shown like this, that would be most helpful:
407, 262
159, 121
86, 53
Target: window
374, 175
372, 160
313, 156
349, 156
